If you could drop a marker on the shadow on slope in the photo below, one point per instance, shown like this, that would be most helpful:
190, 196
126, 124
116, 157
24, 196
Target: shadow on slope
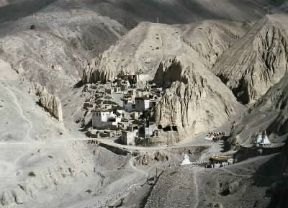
273, 174
176, 12
20, 9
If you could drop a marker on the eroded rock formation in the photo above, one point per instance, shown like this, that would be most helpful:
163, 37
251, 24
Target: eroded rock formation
257, 61
196, 99
49, 102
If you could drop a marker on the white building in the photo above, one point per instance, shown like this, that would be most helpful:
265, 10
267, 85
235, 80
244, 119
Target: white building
104, 119
142, 104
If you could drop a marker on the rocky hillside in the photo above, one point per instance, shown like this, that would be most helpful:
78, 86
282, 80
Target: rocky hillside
195, 100
51, 41
52, 47
257, 61
269, 113
144, 47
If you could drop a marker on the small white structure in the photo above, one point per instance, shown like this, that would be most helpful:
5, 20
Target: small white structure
128, 137
209, 138
142, 104
262, 139
230, 161
104, 119
120, 113
265, 140
217, 165
186, 160
259, 139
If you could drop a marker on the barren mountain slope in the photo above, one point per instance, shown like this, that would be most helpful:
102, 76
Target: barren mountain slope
49, 42
257, 61
44, 165
55, 51
268, 113
144, 47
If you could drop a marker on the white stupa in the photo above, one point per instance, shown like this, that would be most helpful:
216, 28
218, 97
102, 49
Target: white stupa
262, 139
186, 160
259, 139
265, 139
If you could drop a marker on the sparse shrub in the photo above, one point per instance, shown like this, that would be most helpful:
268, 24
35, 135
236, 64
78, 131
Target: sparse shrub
31, 174
88, 191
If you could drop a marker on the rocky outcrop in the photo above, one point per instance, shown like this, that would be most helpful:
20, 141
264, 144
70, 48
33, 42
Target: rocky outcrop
257, 61
195, 101
49, 102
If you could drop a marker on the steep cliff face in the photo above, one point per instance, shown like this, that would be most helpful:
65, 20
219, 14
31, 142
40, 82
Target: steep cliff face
143, 48
195, 100
49, 102
276, 100
270, 113
257, 61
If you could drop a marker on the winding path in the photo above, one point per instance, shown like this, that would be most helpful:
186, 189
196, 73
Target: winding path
235, 174
145, 173
195, 170
21, 112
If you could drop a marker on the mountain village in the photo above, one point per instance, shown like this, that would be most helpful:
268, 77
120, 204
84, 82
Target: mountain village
124, 109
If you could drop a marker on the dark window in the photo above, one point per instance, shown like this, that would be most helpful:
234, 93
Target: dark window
167, 128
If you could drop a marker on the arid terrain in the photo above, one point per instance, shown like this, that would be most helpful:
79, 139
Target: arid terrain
214, 75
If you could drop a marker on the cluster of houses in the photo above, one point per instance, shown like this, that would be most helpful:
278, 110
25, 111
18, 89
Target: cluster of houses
133, 117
